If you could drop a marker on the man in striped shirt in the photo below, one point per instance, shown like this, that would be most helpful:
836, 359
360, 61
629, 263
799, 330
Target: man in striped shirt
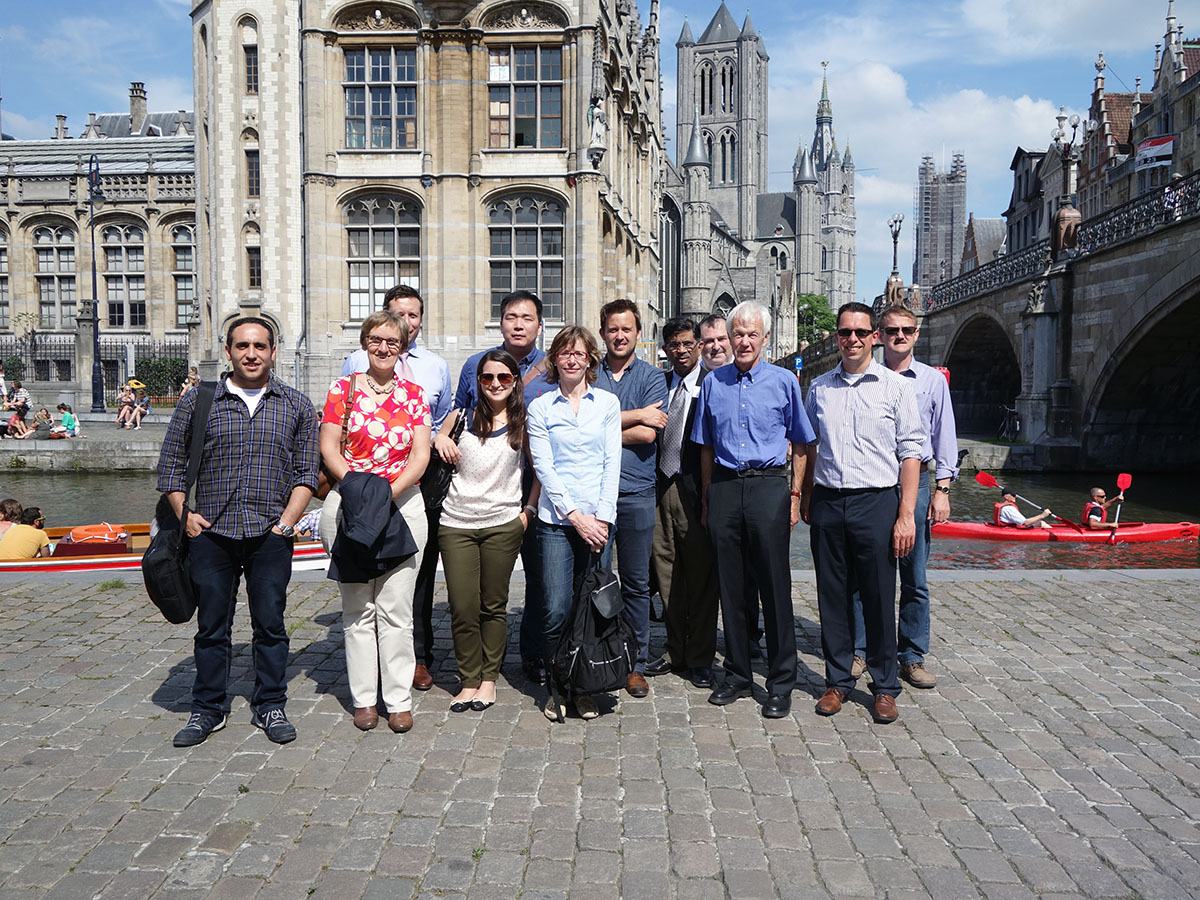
861, 521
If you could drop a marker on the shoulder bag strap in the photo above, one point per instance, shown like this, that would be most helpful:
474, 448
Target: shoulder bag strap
204, 401
346, 413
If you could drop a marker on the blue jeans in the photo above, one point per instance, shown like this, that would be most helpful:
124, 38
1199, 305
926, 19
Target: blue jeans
565, 556
216, 564
912, 636
634, 535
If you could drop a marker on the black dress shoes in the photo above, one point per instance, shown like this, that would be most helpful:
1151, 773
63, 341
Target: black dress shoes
660, 666
727, 693
700, 677
777, 706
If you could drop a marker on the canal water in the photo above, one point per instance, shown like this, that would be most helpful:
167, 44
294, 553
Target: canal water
74, 499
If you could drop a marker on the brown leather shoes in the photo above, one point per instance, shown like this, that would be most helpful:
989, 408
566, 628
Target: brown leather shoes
422, 680
636, 685
830, 702
365, 717
400, 722
884, 709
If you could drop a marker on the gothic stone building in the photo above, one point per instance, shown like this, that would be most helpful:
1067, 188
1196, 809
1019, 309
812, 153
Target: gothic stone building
725, 237
465, 148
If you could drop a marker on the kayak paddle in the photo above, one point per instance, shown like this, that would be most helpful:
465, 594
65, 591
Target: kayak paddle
988, 481
1124, 480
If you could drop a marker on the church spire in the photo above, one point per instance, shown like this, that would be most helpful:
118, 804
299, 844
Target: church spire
824, 107
696, 155
824, 145
685, 36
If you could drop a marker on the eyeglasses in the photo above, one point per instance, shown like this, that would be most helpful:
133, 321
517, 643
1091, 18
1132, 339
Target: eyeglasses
893, 330
374, 341
580, 355
861, 333
502, 378
681, 345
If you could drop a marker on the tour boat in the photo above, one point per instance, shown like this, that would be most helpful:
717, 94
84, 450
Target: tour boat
106, 554
1127, 532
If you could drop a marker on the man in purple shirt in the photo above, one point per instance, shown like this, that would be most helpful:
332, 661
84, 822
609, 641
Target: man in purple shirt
746, 415
939, 455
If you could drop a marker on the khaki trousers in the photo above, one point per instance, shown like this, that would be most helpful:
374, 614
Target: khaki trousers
377, 617
683, 563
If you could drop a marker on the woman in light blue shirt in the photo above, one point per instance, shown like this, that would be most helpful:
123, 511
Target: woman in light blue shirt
575, 444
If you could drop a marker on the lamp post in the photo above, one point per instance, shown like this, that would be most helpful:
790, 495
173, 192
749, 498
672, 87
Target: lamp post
894, 289
95, 194
1065, 237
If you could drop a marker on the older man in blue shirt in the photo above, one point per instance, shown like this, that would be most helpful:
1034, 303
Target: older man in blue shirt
746, 416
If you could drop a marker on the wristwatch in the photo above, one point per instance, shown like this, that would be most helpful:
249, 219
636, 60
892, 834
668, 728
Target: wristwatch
944, 488
286, 530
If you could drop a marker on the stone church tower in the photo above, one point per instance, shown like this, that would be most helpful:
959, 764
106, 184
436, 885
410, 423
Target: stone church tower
738, 240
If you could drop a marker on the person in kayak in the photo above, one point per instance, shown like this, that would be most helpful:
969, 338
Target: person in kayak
1095, 511
1005, 512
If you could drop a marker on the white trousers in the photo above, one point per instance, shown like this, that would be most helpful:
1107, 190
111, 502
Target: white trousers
377, 617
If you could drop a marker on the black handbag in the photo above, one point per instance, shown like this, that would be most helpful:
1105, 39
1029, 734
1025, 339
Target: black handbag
165, 562
435, 483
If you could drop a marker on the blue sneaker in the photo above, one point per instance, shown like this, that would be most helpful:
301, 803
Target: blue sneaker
275, 724
198, 727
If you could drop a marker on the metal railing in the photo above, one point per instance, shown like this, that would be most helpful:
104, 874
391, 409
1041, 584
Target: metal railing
38, 357
1167, 205
160, 365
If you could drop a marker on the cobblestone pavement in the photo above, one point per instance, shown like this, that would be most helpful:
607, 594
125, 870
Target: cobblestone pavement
1057, 758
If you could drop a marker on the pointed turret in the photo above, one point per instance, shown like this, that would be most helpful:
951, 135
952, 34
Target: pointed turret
721, 28
824, 107
802, 169
685, 36
696, 155
824, 145
748, 29
847, 160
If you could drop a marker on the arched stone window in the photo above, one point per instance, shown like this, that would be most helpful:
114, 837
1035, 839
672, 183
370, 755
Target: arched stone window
125, 275
5, 319
728, 80
383, 235
526, 250
183, 266
250, 54
704, 89
54, 248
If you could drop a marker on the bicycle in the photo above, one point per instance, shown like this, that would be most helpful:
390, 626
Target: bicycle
1010, 427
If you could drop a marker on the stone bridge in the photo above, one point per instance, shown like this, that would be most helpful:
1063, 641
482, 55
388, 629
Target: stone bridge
1096, 349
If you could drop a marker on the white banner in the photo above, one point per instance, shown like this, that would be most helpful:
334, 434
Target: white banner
1154, 152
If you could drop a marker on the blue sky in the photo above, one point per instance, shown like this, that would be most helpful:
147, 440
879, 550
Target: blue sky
906, 79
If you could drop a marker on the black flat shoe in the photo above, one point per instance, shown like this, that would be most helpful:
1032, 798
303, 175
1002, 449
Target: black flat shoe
660, 666
727, 693
480, 706
461, 706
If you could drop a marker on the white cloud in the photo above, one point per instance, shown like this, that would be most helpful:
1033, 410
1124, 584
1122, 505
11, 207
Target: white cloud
27, 129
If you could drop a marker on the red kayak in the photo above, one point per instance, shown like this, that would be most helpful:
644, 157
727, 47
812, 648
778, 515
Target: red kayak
1127, 532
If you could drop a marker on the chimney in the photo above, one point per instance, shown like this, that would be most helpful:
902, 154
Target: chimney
60, 130
137, 107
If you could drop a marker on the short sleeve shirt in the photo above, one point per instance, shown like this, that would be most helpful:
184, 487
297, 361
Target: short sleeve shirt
1010, 515
380, 432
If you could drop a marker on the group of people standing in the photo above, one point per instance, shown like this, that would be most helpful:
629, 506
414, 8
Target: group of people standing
561, 458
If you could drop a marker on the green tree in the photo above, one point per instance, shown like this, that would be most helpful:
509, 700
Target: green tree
813, 316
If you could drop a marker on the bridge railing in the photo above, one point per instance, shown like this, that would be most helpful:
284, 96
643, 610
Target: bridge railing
1166, 205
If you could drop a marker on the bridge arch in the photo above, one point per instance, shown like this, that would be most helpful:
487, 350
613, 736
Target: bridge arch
1144, 407
985, 373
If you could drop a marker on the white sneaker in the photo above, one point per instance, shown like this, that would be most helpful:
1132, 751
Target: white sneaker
552, 712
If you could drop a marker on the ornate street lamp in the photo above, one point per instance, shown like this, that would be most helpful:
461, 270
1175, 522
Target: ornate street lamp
894, 290
1065, 236
94, 194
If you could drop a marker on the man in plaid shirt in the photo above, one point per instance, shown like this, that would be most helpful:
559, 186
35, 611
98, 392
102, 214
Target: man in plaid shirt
257, 474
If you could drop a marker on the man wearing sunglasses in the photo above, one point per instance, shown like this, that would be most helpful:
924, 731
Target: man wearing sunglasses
868, 431
27, 538
939, 455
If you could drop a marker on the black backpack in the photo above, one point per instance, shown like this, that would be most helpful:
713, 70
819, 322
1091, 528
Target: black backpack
597, 648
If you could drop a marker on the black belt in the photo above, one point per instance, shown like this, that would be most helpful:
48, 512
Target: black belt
763, 472
848, 492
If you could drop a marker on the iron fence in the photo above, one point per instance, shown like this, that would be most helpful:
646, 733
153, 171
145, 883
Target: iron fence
38, 357
160, 365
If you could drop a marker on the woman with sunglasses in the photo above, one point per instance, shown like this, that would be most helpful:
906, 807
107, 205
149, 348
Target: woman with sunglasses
386, 434
483, 525
575, 445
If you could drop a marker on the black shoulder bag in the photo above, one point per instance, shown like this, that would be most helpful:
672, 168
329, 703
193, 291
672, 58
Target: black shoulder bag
165, 563
435, 482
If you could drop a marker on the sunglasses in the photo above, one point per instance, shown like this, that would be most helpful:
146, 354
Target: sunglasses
860, 333
893, 330
502, 378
